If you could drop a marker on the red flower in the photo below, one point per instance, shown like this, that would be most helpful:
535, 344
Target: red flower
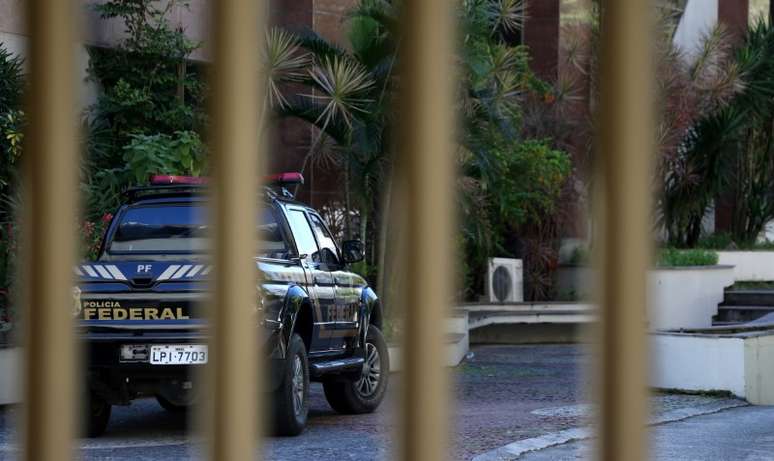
106, 218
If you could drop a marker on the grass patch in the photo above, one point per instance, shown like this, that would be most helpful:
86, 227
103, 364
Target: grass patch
753, 286
673, 257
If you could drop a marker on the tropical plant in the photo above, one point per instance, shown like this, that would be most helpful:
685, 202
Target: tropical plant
507, 180
11, 135
151, 97
750, 122
346, 97
11, 122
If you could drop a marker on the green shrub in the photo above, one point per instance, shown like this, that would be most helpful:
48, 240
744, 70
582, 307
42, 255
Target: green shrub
673, 257
717, 241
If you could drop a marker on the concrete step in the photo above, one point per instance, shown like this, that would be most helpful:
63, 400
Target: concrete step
728, 314
760, 297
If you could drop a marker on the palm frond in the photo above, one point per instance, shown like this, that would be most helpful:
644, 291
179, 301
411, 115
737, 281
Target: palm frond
320, 48
343, 86
506, 15
283, 61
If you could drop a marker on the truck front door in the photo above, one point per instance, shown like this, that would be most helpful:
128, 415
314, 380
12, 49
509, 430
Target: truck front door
320, 282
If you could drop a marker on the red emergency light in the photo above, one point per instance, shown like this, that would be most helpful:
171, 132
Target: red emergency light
161, 179
284, 179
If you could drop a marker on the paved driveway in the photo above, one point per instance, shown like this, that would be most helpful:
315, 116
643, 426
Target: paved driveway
502, 394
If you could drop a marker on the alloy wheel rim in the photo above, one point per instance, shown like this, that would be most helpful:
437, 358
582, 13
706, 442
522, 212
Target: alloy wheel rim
298, 385
372, 372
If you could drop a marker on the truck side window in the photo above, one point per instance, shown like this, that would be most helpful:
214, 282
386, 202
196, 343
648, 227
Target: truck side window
303, 235
328, 250
271, 243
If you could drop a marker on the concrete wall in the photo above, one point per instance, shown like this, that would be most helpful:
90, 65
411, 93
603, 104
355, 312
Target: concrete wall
742, 363
699, 17
686, 297
755, 266
759, 369
696, 363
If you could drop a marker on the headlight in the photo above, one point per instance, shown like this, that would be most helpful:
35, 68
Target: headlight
76, 302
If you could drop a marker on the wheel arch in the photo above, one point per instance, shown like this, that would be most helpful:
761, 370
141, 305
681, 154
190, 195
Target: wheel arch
371, 312
298, 316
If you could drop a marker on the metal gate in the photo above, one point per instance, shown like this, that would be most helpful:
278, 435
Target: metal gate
425, 145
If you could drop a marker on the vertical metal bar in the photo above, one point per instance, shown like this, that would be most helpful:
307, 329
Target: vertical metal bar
626, 149
425, 151
235, 153
50, 219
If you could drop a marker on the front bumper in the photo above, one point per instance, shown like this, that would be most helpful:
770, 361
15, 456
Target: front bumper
120, 381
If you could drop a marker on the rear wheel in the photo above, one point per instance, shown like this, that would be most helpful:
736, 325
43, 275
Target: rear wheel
364, 393
98, 414
291, 399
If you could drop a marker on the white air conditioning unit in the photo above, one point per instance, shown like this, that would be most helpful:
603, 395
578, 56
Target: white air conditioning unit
505, 280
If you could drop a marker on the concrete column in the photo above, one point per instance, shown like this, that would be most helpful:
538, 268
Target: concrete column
541, 35
734, 14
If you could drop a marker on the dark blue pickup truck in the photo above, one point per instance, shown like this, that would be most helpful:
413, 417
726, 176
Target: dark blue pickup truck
140, 307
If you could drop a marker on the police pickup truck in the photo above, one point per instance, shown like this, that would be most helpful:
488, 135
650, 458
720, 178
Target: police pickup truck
139, 306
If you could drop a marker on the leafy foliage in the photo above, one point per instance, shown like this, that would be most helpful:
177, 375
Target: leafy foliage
151, 101
750, 122
12, 119
672, 257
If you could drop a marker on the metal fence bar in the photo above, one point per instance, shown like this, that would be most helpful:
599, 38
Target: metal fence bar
49, 221
425, 156
235, 153
626, 147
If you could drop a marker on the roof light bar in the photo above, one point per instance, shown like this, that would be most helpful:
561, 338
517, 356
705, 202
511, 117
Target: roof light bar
282, 179
161, 179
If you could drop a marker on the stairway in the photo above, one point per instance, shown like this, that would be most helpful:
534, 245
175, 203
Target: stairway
740, 306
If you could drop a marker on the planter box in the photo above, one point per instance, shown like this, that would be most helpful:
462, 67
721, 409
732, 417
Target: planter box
686, 297
739, 363
752, 266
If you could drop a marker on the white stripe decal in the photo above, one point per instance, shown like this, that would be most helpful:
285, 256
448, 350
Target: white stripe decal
207, 270
182, 271
77, 271
116, 272
90, 271
105, 274
195, 270
167, 273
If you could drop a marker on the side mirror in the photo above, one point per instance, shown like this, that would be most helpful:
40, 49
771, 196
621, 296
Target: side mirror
353, 251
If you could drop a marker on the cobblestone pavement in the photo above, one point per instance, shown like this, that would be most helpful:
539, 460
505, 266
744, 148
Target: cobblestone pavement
501, 394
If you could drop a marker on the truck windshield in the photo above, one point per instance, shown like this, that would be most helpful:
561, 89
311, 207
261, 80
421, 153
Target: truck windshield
183, 229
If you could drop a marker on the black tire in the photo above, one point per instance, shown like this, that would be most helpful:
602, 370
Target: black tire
98, 414
364, 393
171, 407
291, 400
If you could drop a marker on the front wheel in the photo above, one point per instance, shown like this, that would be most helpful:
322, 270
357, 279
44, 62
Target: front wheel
364, 393
291, 399
98, 415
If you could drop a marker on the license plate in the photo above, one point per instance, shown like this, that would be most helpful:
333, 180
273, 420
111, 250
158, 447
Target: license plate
178, 354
